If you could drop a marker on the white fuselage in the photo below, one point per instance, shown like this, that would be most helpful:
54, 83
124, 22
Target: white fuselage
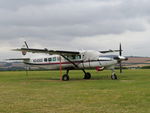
86, 59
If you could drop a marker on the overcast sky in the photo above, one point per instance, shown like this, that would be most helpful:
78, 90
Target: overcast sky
75, 25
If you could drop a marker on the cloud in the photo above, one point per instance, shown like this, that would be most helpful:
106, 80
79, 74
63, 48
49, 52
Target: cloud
134, 43
62, 23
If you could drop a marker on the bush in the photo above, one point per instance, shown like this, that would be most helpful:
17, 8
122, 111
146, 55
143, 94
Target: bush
145, 67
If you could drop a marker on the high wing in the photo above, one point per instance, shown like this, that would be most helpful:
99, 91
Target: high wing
59, 52
110, 51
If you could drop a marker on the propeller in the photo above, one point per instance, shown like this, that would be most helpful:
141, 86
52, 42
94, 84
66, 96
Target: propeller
120, 58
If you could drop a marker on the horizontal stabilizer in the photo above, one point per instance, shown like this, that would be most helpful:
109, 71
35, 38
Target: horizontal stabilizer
19, 59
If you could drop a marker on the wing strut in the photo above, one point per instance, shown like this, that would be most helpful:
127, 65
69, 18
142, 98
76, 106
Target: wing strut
70, 61
60, 69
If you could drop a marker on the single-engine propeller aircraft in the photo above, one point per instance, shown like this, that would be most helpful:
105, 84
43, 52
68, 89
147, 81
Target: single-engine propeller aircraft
69, 60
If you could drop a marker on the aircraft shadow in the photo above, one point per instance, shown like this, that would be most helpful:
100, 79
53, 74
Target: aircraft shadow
71, 79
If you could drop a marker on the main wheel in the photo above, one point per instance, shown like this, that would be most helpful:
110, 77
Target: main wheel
65, 77
87, 76
113, 76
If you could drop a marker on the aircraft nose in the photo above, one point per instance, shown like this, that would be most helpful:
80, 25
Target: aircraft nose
123, 58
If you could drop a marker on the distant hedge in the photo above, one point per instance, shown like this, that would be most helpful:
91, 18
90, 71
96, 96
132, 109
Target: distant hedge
122, 67
145, 67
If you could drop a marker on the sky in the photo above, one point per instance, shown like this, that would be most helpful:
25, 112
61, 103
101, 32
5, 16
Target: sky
75, 25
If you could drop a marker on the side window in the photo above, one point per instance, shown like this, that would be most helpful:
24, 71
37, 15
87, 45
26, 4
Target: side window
78, 57
45, 59
82, 56
49, 59
58, 58
73, 57
54, 58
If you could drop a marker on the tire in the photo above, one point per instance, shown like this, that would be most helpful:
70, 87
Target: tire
114, 77
87, 76
65, 77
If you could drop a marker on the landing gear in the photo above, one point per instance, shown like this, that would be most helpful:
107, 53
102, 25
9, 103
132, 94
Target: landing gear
87, 75
65, 77
114, 76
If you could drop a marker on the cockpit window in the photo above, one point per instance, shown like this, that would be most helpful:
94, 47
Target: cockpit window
74, 57
78, 57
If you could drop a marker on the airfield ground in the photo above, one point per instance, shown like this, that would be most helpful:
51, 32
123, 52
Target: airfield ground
43, 92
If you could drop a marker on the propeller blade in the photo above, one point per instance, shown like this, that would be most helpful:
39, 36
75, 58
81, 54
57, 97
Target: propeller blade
120, 67
120, 50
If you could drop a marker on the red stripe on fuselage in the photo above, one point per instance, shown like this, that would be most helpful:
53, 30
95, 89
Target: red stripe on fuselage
52, 63
48, 63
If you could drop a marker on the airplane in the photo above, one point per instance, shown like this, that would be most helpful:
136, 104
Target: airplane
69, 60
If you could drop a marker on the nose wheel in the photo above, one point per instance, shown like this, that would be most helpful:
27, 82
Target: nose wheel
114, 76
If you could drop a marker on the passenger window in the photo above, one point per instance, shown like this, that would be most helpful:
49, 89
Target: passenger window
45, 59
49, 59
54, 58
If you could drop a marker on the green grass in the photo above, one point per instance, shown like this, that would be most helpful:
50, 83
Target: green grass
43, 92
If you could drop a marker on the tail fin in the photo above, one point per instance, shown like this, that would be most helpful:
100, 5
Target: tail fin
25, 46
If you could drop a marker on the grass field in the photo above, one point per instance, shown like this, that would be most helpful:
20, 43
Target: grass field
43, 92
